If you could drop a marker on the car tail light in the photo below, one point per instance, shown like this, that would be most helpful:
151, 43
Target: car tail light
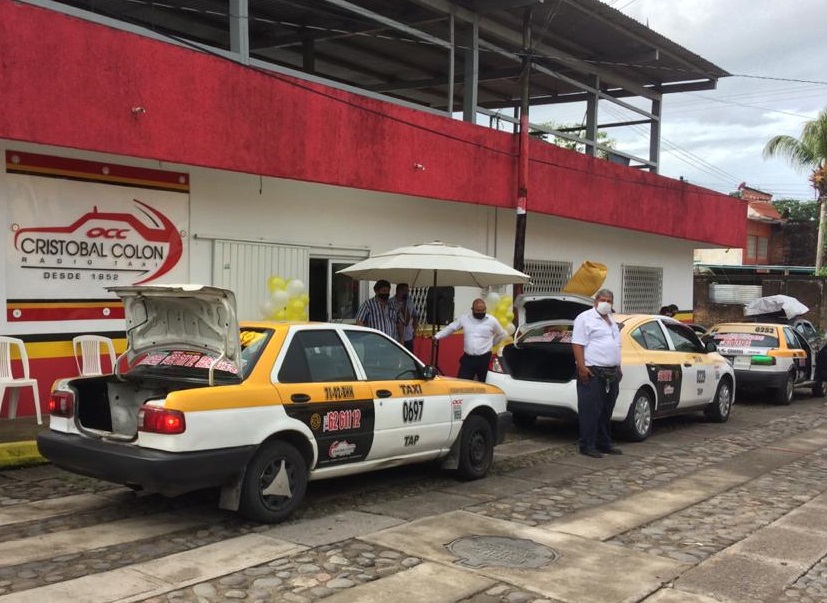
496, 364
62, 404
763, 360
161, 420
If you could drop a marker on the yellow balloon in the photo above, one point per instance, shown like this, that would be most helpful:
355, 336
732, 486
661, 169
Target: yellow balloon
281, 315
503, 321
509, 315
276, 283
305, 298
296, 305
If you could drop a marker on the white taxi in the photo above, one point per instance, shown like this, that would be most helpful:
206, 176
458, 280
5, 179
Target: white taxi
260, 409
667, 370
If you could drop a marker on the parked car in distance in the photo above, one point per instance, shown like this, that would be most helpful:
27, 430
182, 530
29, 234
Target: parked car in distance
667, 370
771, 356
261, 408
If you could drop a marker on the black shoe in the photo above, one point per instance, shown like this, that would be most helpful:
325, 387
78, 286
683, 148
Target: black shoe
592, 453
612, 450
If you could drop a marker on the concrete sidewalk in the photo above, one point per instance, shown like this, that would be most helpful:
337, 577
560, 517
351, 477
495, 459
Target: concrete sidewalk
17, 442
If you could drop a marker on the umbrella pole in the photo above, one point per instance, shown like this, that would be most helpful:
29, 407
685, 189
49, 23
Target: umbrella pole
434, 343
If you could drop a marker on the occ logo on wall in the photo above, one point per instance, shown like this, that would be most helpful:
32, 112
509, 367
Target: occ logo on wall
108, 226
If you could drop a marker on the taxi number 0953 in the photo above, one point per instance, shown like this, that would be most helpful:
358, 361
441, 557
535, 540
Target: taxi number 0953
412, 410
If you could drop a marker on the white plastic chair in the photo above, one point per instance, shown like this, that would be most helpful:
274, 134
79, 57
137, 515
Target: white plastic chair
9, 381
89, 361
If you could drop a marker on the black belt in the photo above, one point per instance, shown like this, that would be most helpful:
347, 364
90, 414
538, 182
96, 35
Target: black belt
476, 355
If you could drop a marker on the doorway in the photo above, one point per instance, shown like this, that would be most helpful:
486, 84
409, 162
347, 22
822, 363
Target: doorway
333, 297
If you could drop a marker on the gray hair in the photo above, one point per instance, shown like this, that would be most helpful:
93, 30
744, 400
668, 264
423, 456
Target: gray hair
604, 293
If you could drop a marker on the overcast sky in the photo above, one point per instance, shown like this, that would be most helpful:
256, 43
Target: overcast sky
715, 138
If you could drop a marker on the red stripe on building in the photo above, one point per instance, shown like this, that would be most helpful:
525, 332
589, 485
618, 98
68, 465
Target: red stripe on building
48, 312
78, 169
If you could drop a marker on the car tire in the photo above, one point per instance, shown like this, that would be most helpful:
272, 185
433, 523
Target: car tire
476, 448
784, 395
524, 419
818, 389
275, 460
638, 424
721, 405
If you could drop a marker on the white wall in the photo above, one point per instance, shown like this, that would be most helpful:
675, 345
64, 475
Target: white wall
245, 207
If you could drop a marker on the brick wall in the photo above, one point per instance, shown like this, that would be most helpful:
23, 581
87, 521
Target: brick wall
809, 290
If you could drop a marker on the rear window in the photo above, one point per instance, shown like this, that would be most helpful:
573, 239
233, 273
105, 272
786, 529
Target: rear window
744, 340
546, 334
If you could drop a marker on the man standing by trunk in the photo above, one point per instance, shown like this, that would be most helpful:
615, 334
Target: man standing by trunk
481, 332
596, 345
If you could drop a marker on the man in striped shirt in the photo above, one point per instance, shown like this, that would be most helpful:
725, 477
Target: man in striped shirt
379, 312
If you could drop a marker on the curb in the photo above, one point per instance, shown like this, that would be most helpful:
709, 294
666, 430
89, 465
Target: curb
20, 454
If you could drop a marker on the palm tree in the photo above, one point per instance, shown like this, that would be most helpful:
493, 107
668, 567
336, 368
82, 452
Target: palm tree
808, 152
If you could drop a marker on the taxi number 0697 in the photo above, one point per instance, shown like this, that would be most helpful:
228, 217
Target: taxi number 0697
412, 410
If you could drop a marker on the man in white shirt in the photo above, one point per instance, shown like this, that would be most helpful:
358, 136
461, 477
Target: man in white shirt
596, 345
481, 332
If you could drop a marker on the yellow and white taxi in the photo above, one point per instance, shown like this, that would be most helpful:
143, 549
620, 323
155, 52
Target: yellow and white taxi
770, 356
261, 408
667, 370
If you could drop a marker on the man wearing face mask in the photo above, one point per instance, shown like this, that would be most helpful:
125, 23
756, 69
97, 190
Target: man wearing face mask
408, 321
481, 332
379, 312
596, 345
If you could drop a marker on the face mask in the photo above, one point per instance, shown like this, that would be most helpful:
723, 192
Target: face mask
383, 296
404, 297
604, 307
479, 315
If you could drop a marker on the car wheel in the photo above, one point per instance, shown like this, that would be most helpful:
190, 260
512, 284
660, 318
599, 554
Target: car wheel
524, 419
784, 395
638, 423
718, 410
274, 483
818, 389
476, 448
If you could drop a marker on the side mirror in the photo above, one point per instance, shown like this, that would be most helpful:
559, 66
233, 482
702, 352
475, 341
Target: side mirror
428, 372
710, 346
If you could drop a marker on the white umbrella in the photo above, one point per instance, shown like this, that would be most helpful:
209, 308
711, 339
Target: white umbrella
436, 264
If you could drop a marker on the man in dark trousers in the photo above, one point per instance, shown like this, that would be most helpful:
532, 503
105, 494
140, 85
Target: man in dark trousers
596, 345
481, 332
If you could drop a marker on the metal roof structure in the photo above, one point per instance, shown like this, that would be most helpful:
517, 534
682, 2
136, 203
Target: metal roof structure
444, 55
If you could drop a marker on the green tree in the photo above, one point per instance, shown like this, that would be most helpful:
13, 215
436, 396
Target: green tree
576, 130
793, 209
808, 152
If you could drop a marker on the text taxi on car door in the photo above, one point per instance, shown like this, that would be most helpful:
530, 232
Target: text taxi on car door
667, 370
770, 356
259, 410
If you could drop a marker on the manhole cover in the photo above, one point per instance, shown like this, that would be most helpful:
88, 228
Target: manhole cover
501, 551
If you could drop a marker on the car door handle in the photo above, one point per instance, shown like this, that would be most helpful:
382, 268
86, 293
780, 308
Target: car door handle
687, 364
300, 398
383, 393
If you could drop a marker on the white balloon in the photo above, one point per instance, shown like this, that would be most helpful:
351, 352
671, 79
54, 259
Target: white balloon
295, 288
280, 299
266, 308
510, 328
492, 298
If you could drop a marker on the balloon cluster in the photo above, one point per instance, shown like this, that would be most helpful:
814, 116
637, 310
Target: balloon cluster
288, 300
501, 308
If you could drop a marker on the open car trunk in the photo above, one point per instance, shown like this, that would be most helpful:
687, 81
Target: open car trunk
542, 352
542, 343
108, 407
178, 337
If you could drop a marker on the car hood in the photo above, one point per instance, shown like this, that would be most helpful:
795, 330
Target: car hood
182, 317
549, 314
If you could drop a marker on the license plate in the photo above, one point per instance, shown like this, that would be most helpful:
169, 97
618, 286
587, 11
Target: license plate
742, 362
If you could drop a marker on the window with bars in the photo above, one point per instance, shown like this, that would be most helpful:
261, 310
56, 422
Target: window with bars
642, 289
546, 276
